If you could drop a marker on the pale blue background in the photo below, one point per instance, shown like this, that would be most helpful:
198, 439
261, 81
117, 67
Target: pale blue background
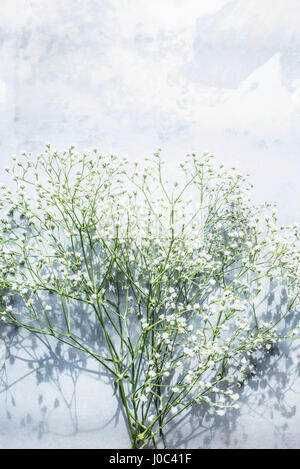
128, 76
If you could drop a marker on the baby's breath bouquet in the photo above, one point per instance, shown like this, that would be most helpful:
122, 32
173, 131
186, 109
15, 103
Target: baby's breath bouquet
172, 274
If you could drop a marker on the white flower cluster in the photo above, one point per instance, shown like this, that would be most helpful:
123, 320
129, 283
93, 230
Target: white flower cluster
174, 273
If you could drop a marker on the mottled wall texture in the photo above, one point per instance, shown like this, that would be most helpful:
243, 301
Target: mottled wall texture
129, 76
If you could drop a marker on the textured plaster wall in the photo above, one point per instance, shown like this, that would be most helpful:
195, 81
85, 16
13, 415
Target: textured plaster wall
128, 76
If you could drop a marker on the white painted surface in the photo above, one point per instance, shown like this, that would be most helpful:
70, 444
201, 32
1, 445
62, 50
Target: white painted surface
128, 76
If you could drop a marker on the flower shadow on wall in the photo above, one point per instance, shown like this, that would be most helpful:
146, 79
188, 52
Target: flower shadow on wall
50, 372
265, 392
268, 396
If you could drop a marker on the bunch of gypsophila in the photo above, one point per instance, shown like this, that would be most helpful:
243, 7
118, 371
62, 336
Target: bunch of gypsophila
173, 273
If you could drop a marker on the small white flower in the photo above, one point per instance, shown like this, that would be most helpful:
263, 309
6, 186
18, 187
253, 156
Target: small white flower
188, 352
152, 374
